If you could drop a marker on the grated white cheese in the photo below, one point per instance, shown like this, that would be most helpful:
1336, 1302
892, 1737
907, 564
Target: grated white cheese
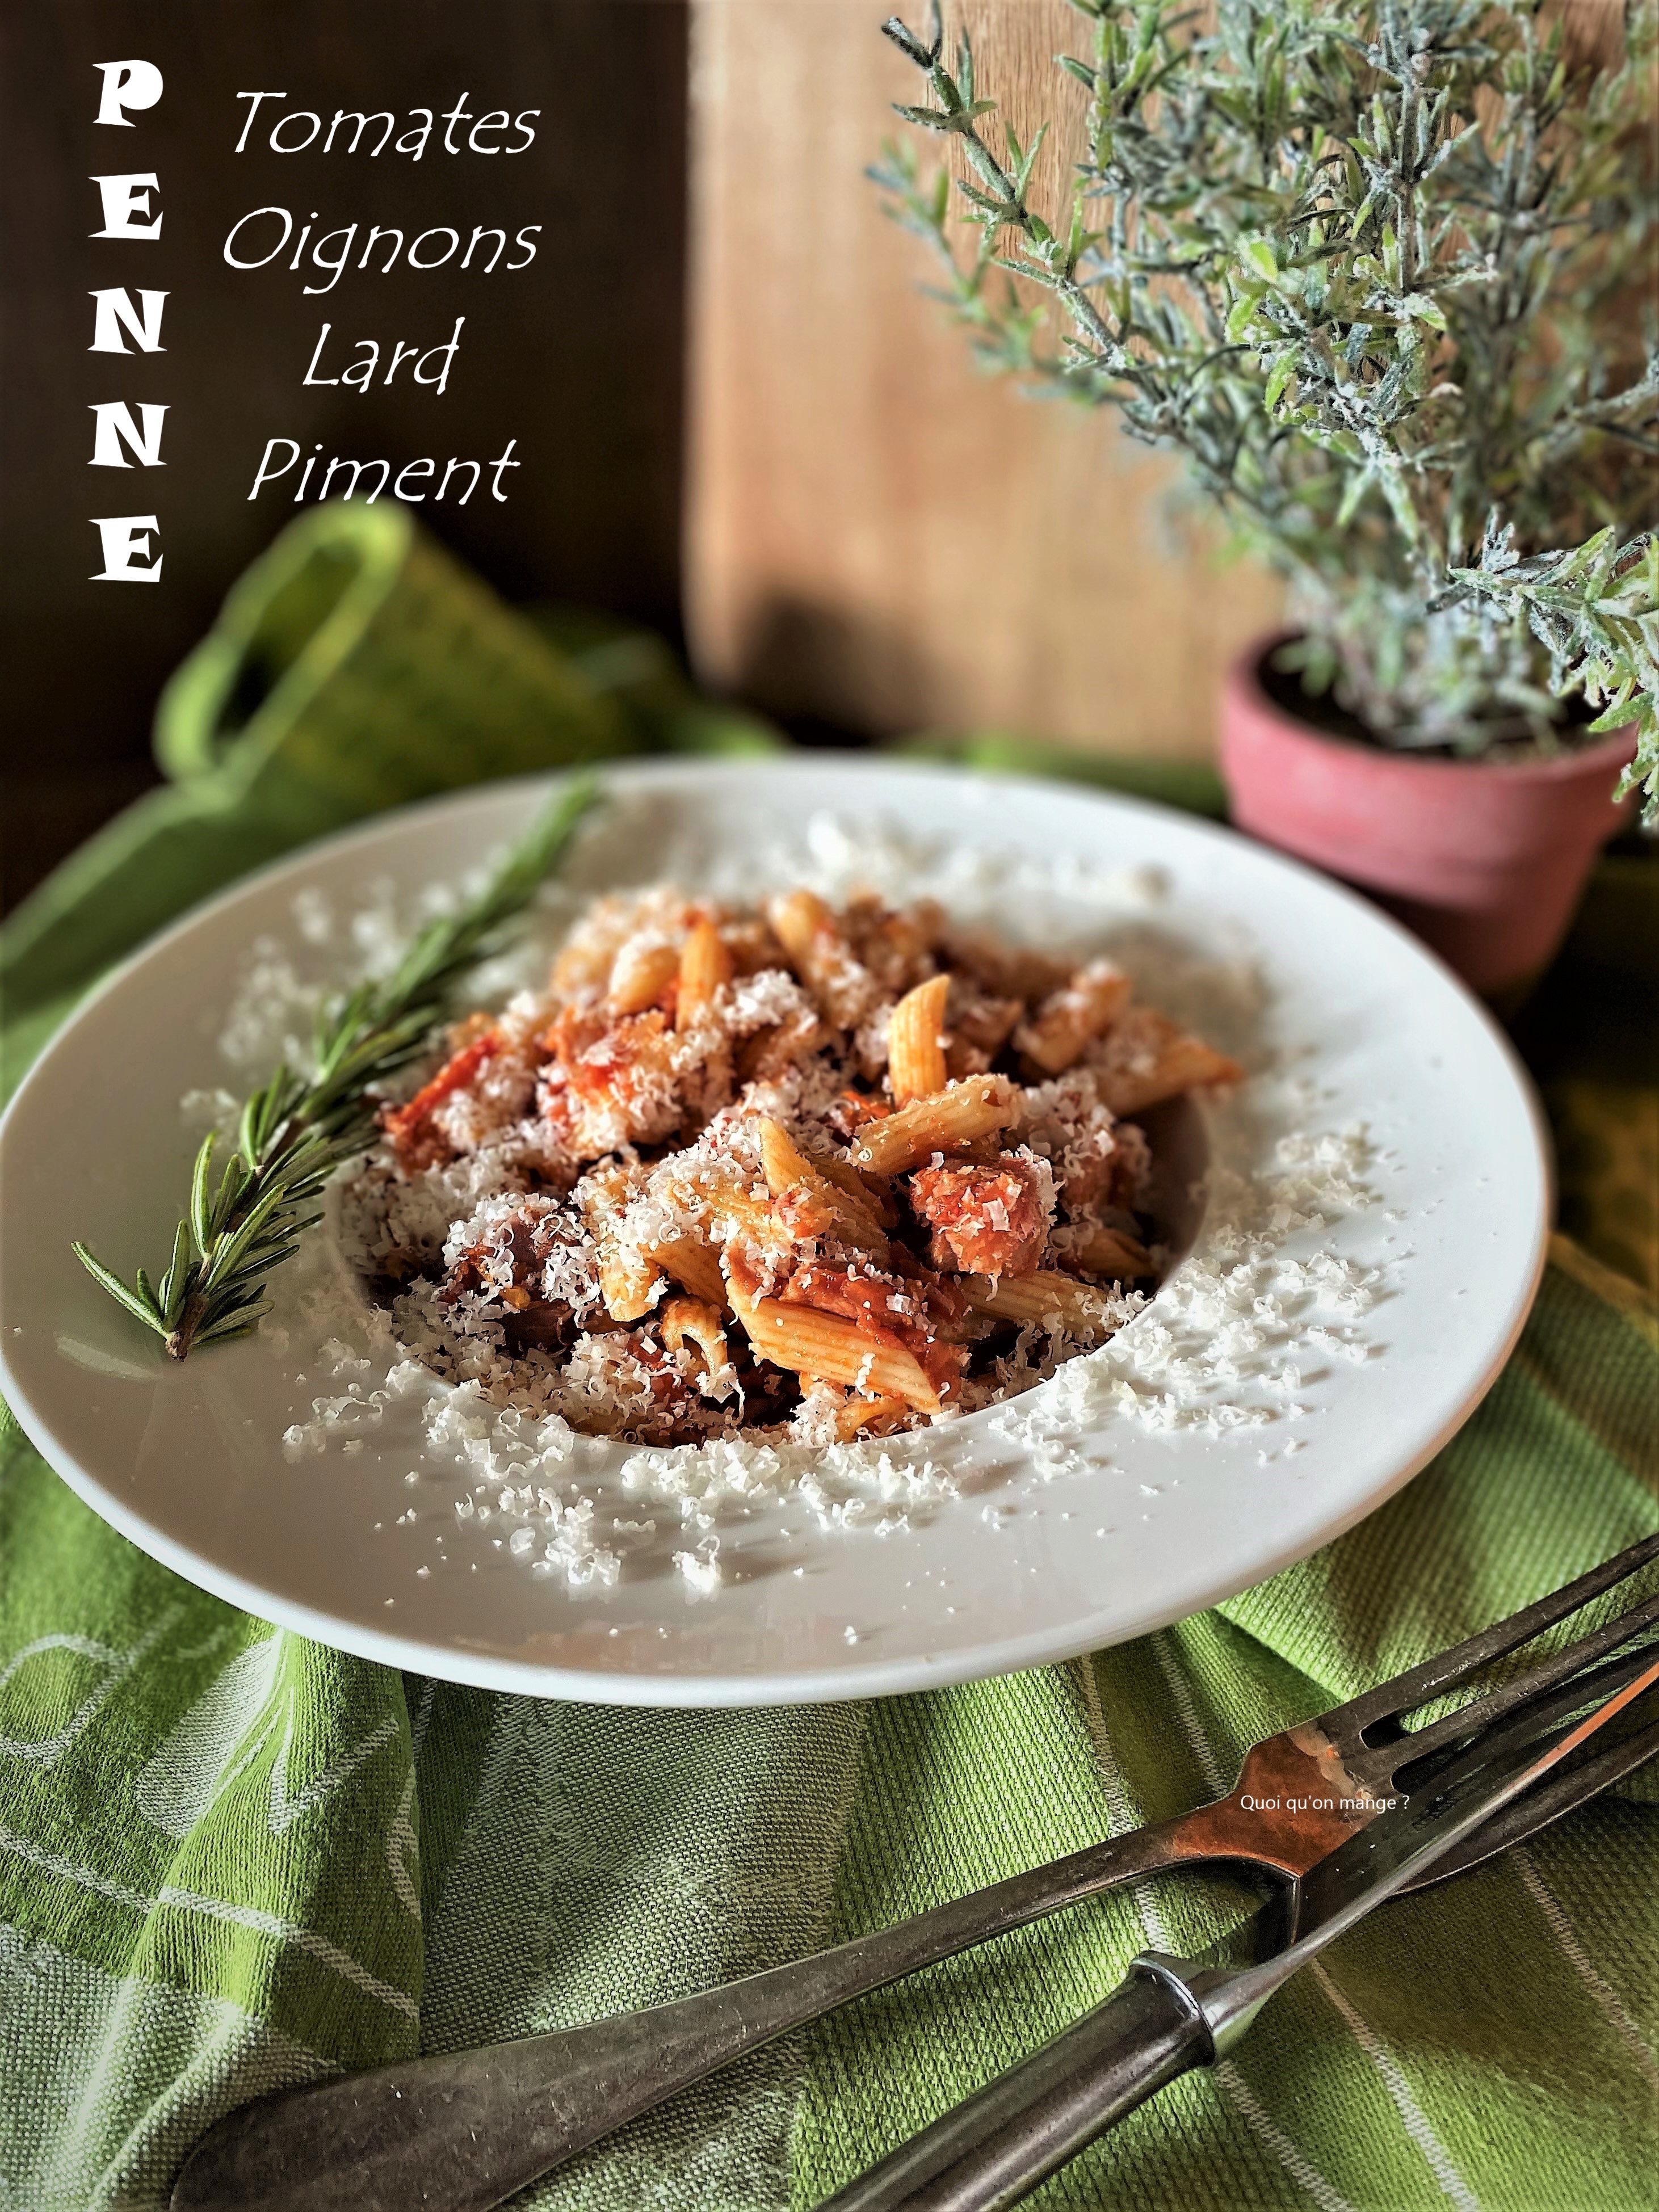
1232, 1341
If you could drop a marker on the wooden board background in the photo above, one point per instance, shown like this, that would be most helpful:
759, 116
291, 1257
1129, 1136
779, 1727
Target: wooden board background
877, 536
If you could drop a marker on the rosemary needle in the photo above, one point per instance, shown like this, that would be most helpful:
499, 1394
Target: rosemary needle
297, 1128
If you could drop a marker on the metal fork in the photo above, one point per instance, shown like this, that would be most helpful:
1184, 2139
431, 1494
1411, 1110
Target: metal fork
460, 2131
989, 2152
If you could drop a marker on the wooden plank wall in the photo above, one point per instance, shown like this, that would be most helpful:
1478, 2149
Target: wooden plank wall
877, 536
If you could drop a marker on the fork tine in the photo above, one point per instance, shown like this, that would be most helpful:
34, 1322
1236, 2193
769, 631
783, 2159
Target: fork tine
1524, 1719
1546, 1802
1372, 1763
1418, 1685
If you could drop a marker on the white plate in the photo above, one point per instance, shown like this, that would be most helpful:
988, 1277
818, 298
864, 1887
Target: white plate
1067, 1529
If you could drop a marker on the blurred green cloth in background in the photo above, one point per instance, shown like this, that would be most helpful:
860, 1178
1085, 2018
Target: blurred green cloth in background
356, 667
231, 1859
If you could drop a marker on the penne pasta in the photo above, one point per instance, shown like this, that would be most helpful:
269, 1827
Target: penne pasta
1147, 1059
1109, 1252
695, 1266
1042, 1297
739, 1212
694, 1322
860, 1413
1070, 1020
833, 1350
798, 920
781, 1161
869, 1189
973, 1108
640, 979
915, 1042
821, 1208
822, 957
705, 964
629, 1284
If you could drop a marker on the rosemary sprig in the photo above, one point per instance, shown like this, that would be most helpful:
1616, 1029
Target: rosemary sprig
298, 1128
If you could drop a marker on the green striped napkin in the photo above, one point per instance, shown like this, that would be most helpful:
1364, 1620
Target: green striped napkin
232, 1859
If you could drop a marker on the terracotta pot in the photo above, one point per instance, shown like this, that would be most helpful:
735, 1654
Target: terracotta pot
1485, 860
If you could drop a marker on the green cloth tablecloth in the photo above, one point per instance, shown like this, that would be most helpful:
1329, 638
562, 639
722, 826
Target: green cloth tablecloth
232, 1859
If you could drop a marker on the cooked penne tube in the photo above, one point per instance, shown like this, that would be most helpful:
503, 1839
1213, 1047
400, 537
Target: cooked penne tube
953, 1118
693, 1320
860, 1413
915, 1045
834, 1350
799, 920
781, 1159
821, 956
1072, 1017
695, 1266
740, 1212
639, 979
1109, 1252
725, 1203
705, 964
1147, 1058
1080, 1310
828, 1209
867, 1189
628, 1283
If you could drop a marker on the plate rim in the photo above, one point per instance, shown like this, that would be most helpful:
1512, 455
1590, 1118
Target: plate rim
844, 1680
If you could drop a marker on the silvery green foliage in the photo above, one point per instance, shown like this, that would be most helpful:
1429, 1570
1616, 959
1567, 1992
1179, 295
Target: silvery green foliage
1378, 269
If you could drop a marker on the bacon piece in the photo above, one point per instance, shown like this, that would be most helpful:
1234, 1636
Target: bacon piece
410, 1129
612, 1082
985, 1220
529, 1321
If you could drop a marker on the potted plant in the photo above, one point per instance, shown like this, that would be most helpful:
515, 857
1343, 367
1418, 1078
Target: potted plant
1378, 269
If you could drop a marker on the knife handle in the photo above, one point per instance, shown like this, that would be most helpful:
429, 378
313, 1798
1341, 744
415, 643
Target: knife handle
460, 2131
994, 2149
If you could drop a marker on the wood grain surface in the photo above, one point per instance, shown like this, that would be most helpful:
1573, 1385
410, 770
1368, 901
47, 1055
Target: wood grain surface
878, 535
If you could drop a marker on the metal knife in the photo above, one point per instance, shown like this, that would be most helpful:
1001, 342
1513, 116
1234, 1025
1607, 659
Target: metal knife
1171, 2014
